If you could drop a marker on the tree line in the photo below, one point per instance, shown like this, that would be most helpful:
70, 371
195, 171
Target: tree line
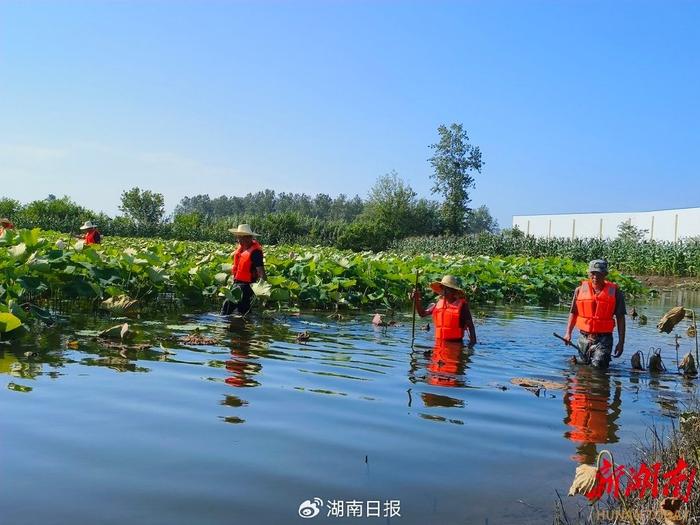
391, 211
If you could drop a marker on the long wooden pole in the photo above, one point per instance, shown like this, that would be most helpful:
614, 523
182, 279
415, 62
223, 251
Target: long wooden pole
413, 326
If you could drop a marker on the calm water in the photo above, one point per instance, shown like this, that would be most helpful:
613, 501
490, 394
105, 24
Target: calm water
245, 431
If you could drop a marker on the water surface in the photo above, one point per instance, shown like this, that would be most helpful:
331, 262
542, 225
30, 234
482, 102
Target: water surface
245, 430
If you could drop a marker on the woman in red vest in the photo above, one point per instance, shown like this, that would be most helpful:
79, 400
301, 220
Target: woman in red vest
92, 235
247, 268
451, 314
5, 224
597, 304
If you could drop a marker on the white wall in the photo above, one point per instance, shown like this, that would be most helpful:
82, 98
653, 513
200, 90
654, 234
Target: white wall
664, 225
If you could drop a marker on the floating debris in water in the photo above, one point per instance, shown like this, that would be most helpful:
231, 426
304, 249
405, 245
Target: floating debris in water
426, 328
642, 319
19, 388
186, 327
30, 354
378, 320
197, 338
304, 336
535, 385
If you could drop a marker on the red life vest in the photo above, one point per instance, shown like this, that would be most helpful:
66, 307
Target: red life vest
242, 269
446, 319
92, 237
596, 312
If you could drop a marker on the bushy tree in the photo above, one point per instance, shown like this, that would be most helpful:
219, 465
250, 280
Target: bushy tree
627, 232
480, 220
392, 205
9, 208
454, 162
145, 208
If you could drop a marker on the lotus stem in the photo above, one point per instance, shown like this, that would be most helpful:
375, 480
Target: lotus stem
695, 326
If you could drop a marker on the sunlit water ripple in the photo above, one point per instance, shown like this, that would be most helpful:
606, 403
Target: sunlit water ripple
244, 431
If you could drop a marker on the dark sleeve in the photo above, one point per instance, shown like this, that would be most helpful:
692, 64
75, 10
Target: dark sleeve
620, 308
465, 315
573, 309
256, 258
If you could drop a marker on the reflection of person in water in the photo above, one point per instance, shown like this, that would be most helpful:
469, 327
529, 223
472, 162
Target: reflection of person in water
590, 413
448, 361
243, 366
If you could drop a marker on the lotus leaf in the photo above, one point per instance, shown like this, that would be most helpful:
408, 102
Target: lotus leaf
9, 322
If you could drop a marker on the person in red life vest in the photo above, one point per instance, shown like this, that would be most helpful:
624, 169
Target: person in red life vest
92, 236
247, 268
6, 224
597, 304
451, 314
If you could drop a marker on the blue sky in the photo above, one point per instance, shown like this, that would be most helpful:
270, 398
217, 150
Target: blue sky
577, 105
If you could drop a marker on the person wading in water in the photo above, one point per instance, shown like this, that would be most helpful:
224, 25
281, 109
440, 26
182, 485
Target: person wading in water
247, 268
597, 304
451, 314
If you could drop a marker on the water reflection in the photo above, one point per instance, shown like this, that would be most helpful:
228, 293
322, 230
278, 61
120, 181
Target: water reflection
592, 407
443, 365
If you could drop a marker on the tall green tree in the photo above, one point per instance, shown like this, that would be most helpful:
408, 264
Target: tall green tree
145, 208
454, 163
391, 204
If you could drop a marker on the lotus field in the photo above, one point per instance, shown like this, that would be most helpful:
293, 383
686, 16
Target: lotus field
37, 265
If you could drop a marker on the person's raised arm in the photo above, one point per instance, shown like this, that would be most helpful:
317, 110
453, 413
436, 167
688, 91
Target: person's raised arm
416, 297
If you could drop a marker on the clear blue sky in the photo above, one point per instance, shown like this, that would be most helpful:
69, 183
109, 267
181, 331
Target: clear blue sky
576, 105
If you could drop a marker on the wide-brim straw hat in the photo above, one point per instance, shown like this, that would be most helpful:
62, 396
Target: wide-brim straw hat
243, 230
87, 225
449, 281
6, 222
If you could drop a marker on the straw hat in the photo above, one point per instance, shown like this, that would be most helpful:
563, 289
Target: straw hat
449, 281
87, 225
243, 230
6, 222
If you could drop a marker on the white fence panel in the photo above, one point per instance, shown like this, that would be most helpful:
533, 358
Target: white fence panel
662, 225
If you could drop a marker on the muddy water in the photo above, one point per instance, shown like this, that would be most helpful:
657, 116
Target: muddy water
245, 430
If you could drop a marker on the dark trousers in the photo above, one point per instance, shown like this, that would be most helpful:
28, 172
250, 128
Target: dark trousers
242, 306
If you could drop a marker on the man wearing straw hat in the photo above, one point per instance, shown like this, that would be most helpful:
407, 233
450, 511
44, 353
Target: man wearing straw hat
246, 269
5, 224
597, 304
92, 236
451, 314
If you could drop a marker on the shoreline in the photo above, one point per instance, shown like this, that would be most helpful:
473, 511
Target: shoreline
667, 282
